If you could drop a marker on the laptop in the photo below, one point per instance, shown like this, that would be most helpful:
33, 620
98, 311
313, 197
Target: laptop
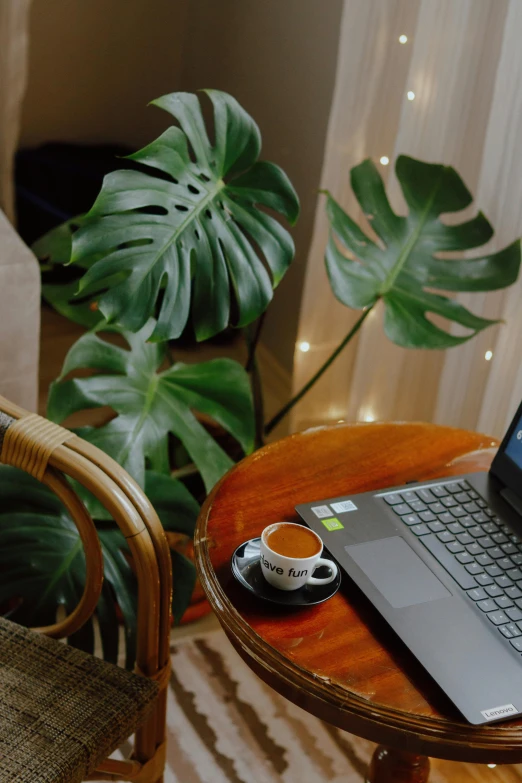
441, 561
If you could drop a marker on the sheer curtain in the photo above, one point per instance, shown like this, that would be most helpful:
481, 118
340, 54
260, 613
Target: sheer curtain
19, 273
14, 23
462, 61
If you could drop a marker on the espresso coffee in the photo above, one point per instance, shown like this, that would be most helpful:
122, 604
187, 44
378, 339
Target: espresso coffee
293, 541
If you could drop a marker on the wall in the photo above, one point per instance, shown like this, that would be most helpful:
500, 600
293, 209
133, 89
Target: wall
277, 57
95, 64
94, 68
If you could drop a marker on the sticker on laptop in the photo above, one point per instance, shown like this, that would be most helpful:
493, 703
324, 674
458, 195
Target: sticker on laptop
345, 505
332, 524
499, 712
321, 511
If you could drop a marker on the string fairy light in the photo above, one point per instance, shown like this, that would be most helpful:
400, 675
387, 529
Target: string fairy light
384, 160
410, 95
488, 356
304, 346
403, 39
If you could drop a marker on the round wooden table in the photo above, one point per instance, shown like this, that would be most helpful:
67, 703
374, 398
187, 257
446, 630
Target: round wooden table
338, 660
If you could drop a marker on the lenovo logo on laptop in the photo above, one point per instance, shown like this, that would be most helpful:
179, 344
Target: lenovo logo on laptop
499, 712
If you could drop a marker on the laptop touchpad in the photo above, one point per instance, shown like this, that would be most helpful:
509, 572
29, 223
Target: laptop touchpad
397, 572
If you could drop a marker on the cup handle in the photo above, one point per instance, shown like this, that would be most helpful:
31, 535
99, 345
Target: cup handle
312, 580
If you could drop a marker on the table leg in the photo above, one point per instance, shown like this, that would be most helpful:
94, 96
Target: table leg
389, 765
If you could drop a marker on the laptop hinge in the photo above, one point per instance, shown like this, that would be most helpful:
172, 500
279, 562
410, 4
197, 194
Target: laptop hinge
514, 501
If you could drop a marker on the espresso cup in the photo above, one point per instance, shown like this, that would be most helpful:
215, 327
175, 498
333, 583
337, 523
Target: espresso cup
290, 554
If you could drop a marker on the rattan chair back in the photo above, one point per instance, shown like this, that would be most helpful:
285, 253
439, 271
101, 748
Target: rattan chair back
49, 453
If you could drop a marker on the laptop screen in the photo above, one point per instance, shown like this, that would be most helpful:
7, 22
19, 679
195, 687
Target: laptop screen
514, 445
507, 465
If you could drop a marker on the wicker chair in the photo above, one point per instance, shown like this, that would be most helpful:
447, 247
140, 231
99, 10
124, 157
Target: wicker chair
62, 711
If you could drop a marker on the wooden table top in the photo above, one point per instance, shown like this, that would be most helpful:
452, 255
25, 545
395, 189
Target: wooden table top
339, 660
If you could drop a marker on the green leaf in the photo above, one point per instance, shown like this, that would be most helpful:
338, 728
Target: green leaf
183, 583
403, 267
54, 250
42, 562
175, 506
120, 577
178, 512
42, 565
62, 298
55, 247
196, 228
151, 403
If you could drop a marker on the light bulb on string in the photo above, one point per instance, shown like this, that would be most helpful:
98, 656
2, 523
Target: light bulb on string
384, 160
403, 39
488, 356
410, 95
304, 346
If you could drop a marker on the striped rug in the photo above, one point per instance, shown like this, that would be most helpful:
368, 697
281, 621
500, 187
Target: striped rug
226, 726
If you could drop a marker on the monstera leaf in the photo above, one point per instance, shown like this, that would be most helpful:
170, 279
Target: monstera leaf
402, 267
175, 506
150, 403
53, 251
62, 298
54, 248
194, 233
42, 566
178, 512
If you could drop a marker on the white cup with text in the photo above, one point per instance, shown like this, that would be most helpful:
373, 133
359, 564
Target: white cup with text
290, 554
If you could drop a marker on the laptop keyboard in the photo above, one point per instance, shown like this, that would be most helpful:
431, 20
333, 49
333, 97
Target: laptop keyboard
465, 536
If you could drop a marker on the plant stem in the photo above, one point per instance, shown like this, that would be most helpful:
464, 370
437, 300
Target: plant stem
187, 470
252, 368
252, 344
289, 405
259, 405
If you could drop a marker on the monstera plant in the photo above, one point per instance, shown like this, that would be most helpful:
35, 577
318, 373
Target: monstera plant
399, 266
186, 239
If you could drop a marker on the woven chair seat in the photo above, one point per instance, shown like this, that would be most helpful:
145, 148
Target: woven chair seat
62, 711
